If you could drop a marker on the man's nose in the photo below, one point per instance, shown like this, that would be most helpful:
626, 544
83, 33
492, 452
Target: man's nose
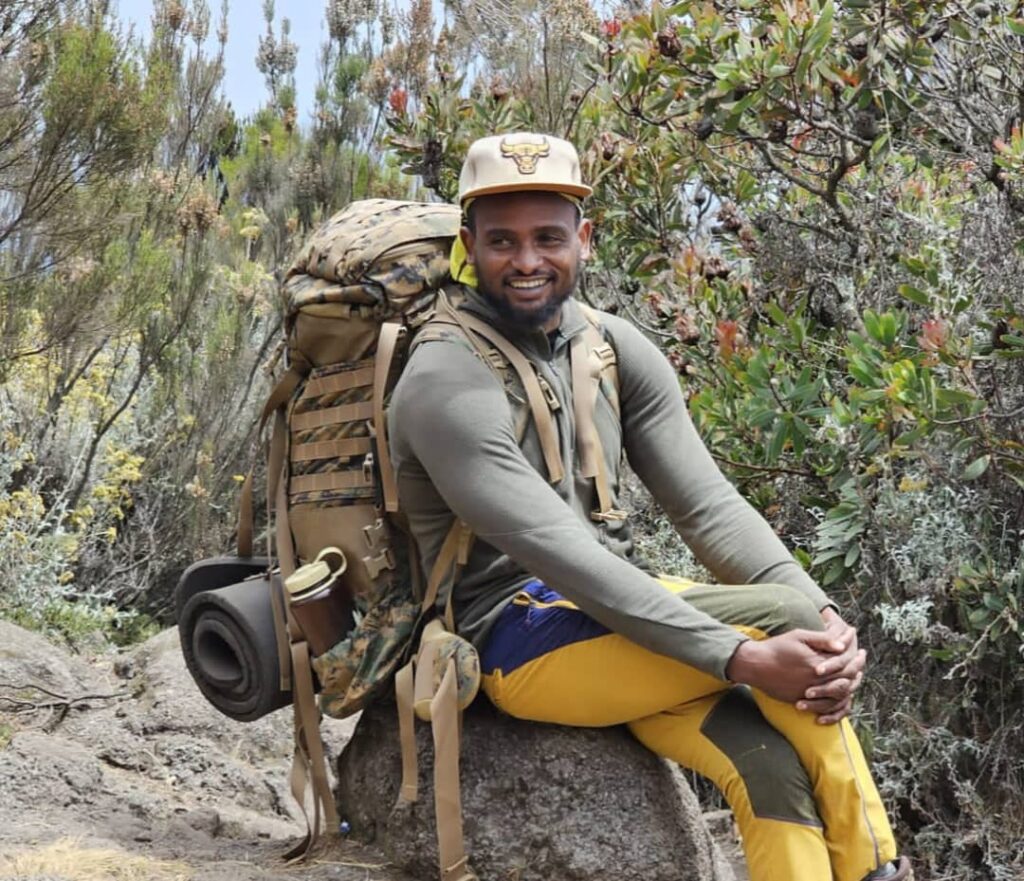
526, 260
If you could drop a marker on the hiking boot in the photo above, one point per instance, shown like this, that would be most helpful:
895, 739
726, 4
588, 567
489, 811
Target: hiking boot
897, 870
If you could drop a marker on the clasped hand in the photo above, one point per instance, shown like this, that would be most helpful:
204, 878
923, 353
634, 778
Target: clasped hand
817, 670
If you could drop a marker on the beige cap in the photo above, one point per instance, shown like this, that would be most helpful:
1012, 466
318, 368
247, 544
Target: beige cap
521, 161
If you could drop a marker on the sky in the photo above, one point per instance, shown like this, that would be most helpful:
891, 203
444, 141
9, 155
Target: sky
243, 83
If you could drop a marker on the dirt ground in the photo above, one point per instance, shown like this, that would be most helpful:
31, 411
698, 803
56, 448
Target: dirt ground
115, 767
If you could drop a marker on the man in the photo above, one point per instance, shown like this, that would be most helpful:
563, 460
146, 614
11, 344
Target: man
748, 684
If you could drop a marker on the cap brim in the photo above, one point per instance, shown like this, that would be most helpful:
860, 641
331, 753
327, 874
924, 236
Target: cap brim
579, 190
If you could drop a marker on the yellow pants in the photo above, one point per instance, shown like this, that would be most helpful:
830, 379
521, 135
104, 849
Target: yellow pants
801, 792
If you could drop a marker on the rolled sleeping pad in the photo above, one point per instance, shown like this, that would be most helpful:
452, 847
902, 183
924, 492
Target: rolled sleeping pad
226, 627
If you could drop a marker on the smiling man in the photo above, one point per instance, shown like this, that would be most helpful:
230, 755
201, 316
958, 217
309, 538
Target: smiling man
748, 681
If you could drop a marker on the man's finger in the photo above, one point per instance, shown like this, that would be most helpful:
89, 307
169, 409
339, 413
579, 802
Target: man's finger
832, 667
827, 641
837, 713
822, 706
844, 666
834, 689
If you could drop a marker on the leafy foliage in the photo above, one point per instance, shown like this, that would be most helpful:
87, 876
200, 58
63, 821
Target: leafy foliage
814, 207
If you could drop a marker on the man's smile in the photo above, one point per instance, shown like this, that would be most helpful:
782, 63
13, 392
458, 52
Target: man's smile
533, 283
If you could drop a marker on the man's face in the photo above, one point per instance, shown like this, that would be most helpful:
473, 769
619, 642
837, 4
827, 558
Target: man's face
527, 248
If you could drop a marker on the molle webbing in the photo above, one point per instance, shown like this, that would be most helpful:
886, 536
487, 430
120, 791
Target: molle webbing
331, 449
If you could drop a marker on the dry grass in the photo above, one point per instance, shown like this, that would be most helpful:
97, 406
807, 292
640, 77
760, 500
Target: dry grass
69, 860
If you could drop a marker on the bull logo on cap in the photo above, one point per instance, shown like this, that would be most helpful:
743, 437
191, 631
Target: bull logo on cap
526, 155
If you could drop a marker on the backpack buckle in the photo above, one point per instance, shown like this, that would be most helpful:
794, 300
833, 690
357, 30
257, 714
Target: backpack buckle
376, 534
549, 394
606, 354
375, 565
417, 321
612, 515
497, 360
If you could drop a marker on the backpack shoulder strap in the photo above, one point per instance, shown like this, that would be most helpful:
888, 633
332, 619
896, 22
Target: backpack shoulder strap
391, 335
479, 333
598, 343
592, 360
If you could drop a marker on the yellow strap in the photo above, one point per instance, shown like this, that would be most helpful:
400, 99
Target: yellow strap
332, 416
387, 343
354, 478
360, 377
445, 723
405, 697
539, 406
331, 449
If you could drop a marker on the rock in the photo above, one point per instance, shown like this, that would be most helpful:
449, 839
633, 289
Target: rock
28, 662
539, 802
123, 753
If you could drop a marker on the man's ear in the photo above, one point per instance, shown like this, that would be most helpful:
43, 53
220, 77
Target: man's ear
468, 238
585, 230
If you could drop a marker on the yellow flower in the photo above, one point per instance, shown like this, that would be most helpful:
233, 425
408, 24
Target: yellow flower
912, 485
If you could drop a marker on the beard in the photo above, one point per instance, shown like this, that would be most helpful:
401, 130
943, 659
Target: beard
532, 317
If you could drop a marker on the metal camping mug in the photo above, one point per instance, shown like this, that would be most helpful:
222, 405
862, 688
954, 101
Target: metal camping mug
318, 601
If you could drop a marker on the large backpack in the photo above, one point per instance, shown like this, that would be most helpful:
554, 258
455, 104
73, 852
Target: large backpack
370, 284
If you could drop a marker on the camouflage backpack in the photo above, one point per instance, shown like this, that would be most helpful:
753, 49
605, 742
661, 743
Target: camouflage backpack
367, 284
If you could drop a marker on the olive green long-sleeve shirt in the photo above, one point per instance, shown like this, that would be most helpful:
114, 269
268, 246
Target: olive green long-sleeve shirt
455, 452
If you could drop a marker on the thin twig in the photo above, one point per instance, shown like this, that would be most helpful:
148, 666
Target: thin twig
769, 469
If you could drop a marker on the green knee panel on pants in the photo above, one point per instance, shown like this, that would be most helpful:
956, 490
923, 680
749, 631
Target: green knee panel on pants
777, 784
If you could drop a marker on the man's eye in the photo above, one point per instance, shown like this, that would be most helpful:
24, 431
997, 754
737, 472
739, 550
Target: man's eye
551, 240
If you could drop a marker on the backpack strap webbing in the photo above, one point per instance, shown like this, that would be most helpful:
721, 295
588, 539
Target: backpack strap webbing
445, 716
590, 358
278, 398
604, 351
540, 406
445, 724
391, 333
309, 763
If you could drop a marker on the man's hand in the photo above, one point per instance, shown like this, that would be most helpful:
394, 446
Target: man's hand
818, 671
843, 672
784, 667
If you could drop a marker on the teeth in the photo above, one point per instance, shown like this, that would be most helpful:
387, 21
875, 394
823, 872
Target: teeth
529, 284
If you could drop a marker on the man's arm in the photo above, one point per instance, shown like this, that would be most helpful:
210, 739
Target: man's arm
727, 535
818, 671
454, 418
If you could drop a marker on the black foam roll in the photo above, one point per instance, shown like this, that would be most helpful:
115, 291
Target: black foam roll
228, 640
